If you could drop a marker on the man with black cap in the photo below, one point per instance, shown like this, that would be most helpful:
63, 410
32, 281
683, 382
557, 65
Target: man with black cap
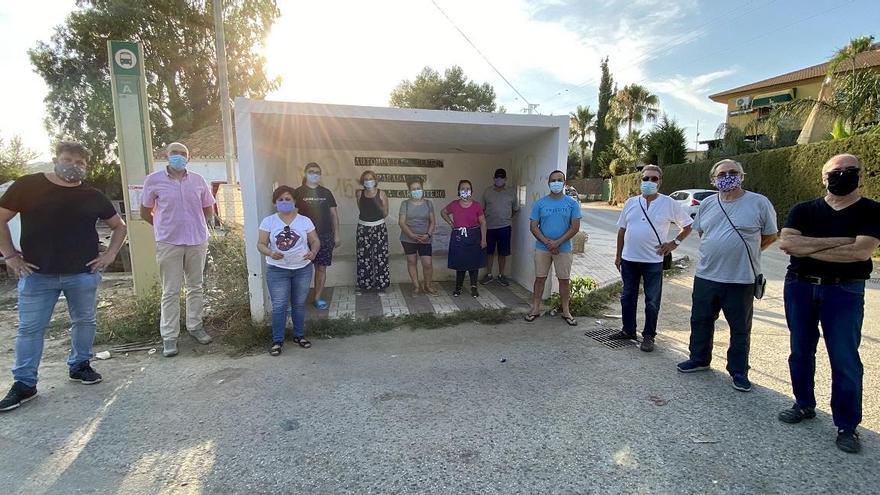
499, 205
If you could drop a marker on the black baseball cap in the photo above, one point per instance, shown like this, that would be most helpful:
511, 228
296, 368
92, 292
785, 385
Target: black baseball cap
501, 173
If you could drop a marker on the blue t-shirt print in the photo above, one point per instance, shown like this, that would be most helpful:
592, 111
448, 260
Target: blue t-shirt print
554, 218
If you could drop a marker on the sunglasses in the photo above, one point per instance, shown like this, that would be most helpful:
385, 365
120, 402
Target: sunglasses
652, 179
841, 172
732, 173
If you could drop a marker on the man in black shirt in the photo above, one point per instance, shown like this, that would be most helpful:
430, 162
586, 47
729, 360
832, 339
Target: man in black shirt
830, 241
59, 254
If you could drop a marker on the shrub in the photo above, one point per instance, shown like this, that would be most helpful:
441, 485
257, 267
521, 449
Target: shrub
786, 176
586, 298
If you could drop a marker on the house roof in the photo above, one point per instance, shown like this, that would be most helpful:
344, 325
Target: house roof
203, 144
866, 59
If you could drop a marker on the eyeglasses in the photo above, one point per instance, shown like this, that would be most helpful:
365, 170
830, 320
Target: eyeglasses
732, 173
841, 172
651, 178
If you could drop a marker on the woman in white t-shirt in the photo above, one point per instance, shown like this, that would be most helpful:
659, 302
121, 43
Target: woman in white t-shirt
290, 243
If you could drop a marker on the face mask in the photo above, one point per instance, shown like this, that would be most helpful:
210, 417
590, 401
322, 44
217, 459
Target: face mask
729, 183
69, 172
648, 188
313, 178
500, 181
369, 184
556, 187
177, 162
843, 183
417, 193
465, 194
284, 206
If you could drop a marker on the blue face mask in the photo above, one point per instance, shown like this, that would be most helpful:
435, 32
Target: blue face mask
417, 193
177, 162
557, 186
284, 206
648, 188
464, 194
369, 184
313, 178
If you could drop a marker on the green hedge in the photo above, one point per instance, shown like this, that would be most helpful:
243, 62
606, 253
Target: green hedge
785, 175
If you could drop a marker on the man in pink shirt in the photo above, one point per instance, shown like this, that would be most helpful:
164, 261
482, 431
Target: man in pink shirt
179, 205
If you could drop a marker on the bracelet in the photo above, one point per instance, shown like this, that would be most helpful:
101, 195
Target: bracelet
12, 256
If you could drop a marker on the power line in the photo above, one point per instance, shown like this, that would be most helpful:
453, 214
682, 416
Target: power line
531, 106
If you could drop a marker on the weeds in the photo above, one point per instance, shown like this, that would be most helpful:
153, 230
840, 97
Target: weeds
122, 322
586, 299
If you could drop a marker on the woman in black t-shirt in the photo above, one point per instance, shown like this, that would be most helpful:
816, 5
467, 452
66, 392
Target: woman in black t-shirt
318, 204
372, 235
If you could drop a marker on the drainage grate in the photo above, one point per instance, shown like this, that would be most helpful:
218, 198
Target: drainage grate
601, 335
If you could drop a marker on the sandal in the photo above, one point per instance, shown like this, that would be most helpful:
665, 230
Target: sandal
570, 320
531, 317
322, 304
303, 342
275, 350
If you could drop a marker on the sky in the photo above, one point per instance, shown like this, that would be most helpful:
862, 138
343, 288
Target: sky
356, 52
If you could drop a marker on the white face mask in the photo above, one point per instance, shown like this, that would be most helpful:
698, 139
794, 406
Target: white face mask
464, 194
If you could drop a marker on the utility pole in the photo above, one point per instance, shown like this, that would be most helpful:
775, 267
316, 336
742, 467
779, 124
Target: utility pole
225, 111
532, 108
697, 139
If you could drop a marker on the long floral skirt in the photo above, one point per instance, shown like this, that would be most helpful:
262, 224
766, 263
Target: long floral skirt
372, 257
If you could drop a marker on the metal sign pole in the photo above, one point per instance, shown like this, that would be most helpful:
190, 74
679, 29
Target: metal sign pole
135, 151
220, 41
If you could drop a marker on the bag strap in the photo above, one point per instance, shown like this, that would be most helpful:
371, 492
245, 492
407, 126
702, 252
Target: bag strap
746, 244
639, 200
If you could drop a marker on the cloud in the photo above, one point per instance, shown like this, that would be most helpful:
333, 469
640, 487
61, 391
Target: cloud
693, 90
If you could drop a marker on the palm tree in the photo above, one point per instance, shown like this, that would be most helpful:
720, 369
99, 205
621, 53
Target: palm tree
629, 151
849, 53
635, 104
581, 127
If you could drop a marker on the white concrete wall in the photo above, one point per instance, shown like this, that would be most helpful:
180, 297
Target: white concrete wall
531, 166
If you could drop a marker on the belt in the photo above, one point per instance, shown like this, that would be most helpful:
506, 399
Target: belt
823, 280
371, 224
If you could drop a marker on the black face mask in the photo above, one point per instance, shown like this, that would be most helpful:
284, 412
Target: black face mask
841, 183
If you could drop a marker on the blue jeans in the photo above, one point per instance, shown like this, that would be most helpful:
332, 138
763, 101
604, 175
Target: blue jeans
288, 289
708, 300
840, 309
632, 273
37, 295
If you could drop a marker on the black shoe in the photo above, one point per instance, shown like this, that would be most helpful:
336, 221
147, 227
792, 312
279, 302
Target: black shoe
647, 343
456, 292
487, 279
691, 366
84, 373
796, 414
18, 395
740, 381
622, 335
275, 350
474, 291
848, 441
503, 280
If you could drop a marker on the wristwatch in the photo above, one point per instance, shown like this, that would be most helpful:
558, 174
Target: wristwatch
677, 242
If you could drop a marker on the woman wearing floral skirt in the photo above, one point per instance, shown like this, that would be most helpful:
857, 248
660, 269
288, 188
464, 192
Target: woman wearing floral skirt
372, 236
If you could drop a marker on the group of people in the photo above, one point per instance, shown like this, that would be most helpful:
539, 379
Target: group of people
830, 241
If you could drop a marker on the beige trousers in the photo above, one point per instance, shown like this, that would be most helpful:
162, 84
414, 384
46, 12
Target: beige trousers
181, 266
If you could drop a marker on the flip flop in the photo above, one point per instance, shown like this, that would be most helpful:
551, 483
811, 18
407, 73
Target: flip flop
322, 304
530, 317
570, 320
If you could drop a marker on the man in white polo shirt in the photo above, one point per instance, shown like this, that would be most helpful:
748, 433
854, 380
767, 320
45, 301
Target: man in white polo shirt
641, 246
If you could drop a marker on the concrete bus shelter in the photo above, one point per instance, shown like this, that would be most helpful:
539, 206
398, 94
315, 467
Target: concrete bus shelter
275, 140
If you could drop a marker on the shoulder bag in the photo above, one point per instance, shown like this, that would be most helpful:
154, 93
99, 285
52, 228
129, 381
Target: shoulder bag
760, 281
667, 260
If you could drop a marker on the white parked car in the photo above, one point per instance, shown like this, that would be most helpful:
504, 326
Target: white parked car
690, 199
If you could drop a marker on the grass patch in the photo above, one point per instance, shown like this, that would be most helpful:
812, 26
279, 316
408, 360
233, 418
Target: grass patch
123, 322
586, 298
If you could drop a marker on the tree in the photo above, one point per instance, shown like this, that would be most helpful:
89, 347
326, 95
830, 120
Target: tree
666, 143
452, 91
182, 87
573, 164
581, 127
854, 105
14, 157
605, 129
733, 142
629, 153
634, 104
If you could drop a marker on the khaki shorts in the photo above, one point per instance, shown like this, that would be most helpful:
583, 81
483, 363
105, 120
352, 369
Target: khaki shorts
561, 262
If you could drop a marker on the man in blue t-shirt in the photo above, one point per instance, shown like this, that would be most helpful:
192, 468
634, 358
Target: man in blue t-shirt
554, 220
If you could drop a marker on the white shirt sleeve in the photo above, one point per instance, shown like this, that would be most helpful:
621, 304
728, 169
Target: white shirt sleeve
266, 224
621, 221
679, 215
